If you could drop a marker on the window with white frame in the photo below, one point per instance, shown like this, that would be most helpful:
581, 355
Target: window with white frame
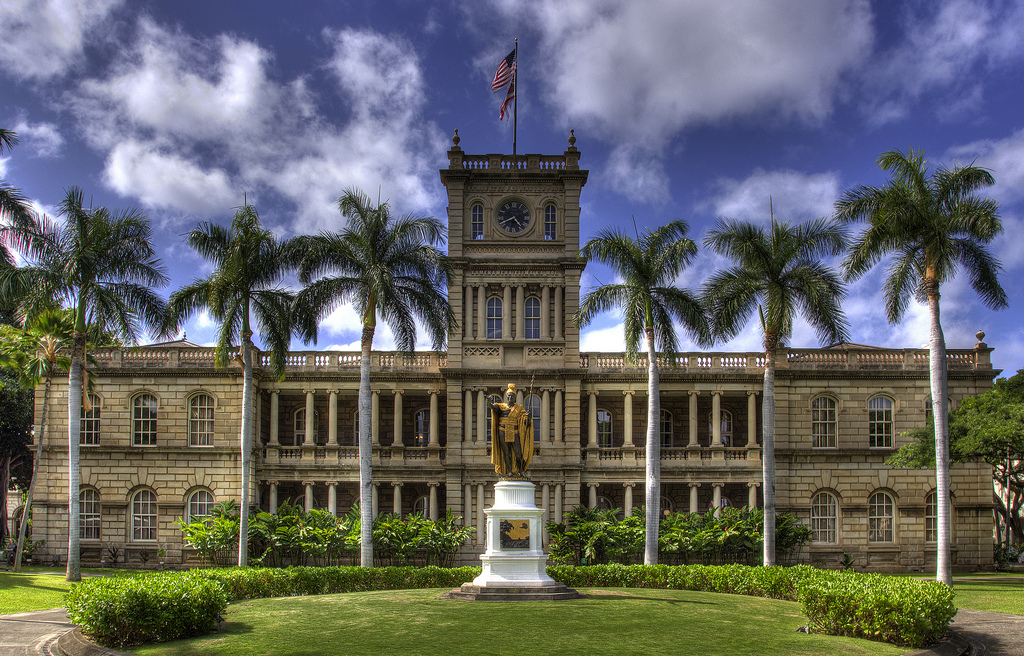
144, 420
550, 222
881, 518
144, 515
89, 520
604, 428
200, 420
532, 316
931, 517
823, 423
825, 518
494, 318
422, 419
532, 405
90, 423
300, 426
477, 214
880, 429
726, 426
200, 504
666, 428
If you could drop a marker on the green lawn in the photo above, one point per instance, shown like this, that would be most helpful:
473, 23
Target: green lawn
41, 588
618, 621
996, 596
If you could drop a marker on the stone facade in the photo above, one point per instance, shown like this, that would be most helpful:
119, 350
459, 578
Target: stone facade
166, 427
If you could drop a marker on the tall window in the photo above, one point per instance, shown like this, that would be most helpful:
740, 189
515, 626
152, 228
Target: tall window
550, 222
604, 428
144, 515
90, 431
144, 420
494, 318
532, 405
200, 420
422, 428
89, 514
824, 518
532, 318
666, 428
300, 426
880, 422
421, 506
823, 422
478, 221
200, 504
491, 398
931, 517
881, 518
726, 439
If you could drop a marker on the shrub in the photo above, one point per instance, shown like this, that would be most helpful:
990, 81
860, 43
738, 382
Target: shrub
126, 611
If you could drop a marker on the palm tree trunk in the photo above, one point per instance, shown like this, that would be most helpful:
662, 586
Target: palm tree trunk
768, 457
23, 529
74, 569
247, 441
365, 453
940, 410
653, 492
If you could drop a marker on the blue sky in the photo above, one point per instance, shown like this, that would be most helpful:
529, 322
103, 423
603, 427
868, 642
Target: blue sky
682, 109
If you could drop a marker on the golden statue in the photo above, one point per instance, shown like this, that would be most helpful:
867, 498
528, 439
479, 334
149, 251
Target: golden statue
511, 437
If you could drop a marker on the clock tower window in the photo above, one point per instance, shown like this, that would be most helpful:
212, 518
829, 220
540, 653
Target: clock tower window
478, 221
494, 318
532, 318
550, 222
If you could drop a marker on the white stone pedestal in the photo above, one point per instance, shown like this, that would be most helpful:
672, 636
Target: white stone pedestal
514, 557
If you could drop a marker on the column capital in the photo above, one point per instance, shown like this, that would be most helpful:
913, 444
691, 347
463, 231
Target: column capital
695, 485
754, 392
274, 391
331, 483
333, 391
397, 391
628, 392
693, 392
719, 485
397, 484
308, 483
629, 485
593, 484
717, 392
308, 390
593, 393
754, 485
271, 482
375, 391
434, 392
433, 484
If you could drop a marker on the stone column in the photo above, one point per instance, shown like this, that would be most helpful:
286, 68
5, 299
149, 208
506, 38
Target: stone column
397, 423
752, 495
717, 496
467, 509
310, 417
716, 419
559, 435
627, 418
592, 421
694, 501
628, 501
481, 312
332, 417
375, 417
273, 496
751, 417
375, 499
545, 416
558, 502
275, 438
558, 312
506, 310
692, 441
592, 500
545, 504
433, 509
309, 494
481, 416
481, 519
467, 417
332, 497
545, 301
520, 313
433, 437
396, 498
467, 323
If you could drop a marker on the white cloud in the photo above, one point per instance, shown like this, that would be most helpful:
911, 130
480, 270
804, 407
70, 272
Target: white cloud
45, 38
160, 179
43, 138
3, 166
1004, 157
796, 197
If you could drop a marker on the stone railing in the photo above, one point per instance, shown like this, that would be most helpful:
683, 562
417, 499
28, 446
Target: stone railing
295, 361
510, 162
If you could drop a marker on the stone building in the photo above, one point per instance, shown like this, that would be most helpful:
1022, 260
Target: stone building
162, 439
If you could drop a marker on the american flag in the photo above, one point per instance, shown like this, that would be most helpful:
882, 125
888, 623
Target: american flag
506, 71
509, 97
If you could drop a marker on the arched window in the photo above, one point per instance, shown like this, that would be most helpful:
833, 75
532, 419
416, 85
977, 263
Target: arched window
666, 505
477, 214
931, 517
144, 420
880, 422
726, 427
604, 428
494, 318
881, 518
89, 520
550, 222
532, 405
492, 398
90, 425
144, 515
532, 318
300, 426
200, 504
823, 423
666, 428
422, 418
825, 518
421, 506
604, 503
200, 420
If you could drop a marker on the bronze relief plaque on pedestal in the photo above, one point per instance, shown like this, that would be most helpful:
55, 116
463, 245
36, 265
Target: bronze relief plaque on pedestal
515, 533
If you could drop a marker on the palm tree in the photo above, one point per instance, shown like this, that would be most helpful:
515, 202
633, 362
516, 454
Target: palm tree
35, 353
649, 301
14, 210
386, 266
778, 273
101, 264
243, 289
932, 226
13, 205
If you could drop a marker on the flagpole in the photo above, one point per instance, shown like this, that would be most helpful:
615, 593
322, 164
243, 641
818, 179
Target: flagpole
515, 101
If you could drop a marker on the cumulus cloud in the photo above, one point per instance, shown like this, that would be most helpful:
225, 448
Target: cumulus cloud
45, 38
796, 196
161, 179
43, 138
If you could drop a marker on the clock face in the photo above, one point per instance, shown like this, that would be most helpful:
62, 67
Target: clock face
513, 217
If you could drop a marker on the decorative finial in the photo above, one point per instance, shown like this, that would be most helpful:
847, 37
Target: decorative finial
981, 339
572, 137
184, 336
456, 139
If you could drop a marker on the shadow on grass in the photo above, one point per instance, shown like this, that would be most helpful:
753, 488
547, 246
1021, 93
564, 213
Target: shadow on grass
619, 596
